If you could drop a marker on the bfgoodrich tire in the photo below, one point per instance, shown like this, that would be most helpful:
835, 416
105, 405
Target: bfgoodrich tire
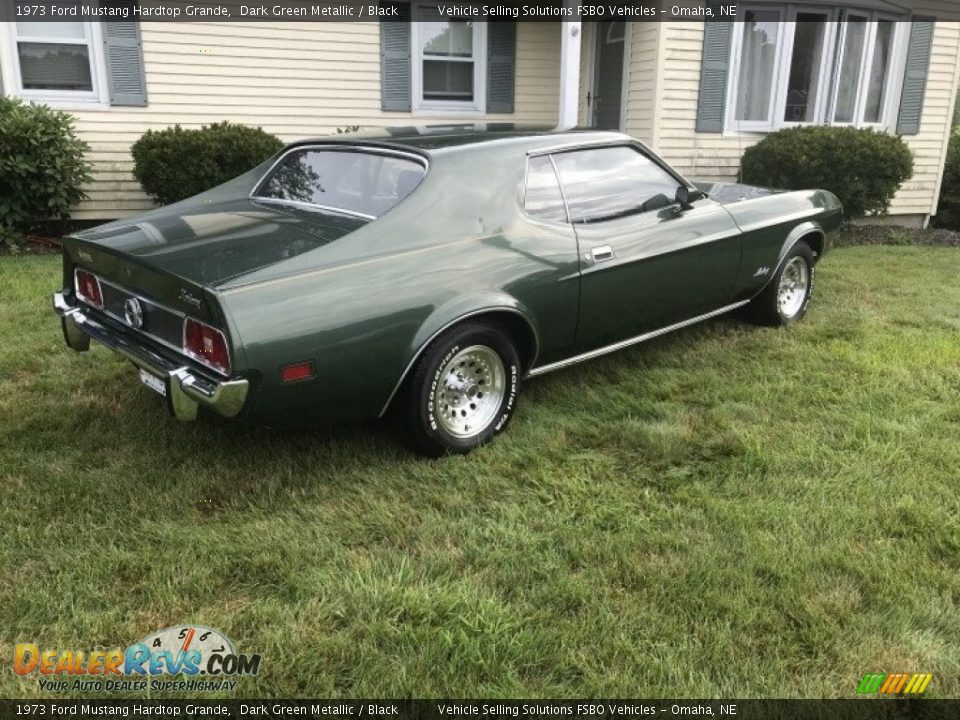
461, 392
786, 298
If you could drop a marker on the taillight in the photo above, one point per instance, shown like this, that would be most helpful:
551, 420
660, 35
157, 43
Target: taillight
207, 345
87, 287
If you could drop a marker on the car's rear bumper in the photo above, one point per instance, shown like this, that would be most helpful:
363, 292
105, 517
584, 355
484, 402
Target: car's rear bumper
186, 389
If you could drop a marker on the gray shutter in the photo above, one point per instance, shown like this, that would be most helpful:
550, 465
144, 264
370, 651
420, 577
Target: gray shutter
123, 54
395, 59
915, 76
501, 66
712, 100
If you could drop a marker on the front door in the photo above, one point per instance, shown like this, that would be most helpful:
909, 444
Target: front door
607, 93
645, 262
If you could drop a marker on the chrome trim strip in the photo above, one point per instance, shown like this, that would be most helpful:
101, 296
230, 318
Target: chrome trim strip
311, 206
352, 147
121, 288
423, 346
615, 139
543, 369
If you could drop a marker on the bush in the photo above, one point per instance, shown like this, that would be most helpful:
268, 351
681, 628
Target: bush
174, 164
42, 168
861, 167
948, 211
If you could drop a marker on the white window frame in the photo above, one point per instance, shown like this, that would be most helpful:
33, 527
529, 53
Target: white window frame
827, 87
825, 79
97, 96
455, 107
733, 78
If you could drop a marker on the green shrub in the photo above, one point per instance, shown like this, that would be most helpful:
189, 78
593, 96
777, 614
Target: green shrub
42, 167
948, 211
174, 164
861, 167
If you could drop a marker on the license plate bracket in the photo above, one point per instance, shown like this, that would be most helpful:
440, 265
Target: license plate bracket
158, 385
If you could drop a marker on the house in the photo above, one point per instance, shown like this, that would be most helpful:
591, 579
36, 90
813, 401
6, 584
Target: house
697, 92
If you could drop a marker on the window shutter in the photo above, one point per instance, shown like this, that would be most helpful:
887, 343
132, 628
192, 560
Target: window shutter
915, 76
711, 103
395, 59
123, 55
501, 66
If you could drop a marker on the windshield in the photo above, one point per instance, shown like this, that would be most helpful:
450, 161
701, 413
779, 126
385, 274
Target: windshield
352, 181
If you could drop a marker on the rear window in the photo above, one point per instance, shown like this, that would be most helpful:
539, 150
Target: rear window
352, 181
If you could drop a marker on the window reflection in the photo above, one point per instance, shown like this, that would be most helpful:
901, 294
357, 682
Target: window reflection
353, 181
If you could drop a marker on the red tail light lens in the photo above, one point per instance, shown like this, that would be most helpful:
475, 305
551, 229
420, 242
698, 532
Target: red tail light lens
206, 345
87, 288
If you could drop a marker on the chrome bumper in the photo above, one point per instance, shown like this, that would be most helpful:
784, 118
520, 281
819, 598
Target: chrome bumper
186, 390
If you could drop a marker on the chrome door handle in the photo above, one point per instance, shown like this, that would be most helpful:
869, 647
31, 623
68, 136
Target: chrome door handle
601, 253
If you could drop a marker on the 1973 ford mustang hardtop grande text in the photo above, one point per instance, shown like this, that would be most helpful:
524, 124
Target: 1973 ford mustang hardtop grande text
429, 273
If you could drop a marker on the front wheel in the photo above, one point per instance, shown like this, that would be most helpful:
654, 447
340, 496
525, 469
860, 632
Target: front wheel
462, 391
786, 298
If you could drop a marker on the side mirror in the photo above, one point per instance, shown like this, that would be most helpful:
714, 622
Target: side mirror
683, 198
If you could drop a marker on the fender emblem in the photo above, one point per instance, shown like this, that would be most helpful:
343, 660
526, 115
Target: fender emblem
761, 271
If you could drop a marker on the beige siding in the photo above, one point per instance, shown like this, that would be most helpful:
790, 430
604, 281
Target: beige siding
294, 79
712, 156
644, 73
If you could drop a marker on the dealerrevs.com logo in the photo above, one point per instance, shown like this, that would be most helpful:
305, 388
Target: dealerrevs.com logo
205, 656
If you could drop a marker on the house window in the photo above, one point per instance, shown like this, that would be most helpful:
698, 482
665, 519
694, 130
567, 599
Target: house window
795, 64
449, 62
56, 61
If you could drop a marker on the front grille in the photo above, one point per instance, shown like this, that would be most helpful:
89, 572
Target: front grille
159, 322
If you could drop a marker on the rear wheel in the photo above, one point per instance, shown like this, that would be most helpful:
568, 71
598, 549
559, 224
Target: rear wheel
462, 390
786, 298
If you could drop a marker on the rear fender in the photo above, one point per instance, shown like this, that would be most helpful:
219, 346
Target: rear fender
453, 313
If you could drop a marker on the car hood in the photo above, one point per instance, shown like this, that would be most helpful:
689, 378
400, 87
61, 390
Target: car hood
208, 243
726, 193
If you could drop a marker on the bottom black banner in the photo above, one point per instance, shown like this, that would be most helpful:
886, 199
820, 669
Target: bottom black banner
865, 709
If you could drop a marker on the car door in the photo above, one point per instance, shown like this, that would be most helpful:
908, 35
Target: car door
645, 262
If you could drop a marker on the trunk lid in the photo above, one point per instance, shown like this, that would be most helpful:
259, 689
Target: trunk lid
209, 243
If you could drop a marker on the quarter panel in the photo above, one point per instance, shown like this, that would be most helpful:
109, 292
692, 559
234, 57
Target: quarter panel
374, 297
768, 222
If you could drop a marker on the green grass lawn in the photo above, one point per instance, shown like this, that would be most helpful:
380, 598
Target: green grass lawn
728, 511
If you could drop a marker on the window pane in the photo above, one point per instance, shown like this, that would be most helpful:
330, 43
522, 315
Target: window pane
447, 80
873, 112
856, 30
57, 30
359, 182
543, 198
761, 29
445, 38
805, 63
54, 67
606, 183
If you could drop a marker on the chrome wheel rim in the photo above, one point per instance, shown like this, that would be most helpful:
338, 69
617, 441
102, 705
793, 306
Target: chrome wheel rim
794, 282
470, 391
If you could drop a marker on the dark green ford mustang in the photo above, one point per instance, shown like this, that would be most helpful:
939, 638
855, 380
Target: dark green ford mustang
428, 274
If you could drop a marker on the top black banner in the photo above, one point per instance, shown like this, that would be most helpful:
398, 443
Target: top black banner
393, 10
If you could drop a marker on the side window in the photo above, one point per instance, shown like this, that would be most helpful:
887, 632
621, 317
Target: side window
611, 182
543, 198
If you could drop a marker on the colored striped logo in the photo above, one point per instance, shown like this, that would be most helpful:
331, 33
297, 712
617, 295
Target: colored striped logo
894, 683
